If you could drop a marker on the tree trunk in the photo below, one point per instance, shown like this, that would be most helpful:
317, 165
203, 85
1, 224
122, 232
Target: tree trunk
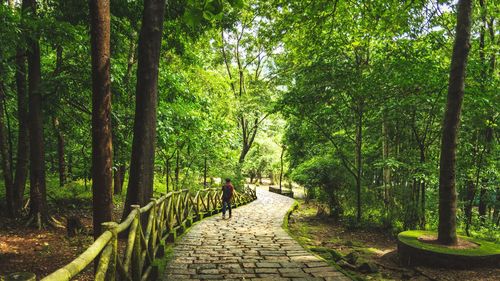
496, 211
359, 164
61, 162
102, 163
386, 173
482, 204
38, 200
118, 179
205, 172
447, 194
177, 169
140, 187
281, 167
4, 154
167, 176
23, 146
422, 218
469, 199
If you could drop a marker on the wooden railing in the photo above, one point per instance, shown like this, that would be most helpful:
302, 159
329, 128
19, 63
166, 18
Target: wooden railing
286, 192
167, 217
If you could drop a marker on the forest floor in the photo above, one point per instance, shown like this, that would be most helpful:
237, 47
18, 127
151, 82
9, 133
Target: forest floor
329, 238
25, 249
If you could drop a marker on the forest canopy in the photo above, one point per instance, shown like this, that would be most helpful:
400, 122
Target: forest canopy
342, 98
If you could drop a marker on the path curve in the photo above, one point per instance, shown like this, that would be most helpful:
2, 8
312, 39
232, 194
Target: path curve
250, 246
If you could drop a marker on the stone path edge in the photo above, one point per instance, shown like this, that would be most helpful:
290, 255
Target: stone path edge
285, 226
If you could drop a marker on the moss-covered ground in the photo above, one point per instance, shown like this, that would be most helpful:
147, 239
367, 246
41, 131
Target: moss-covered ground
484, 248
337, 243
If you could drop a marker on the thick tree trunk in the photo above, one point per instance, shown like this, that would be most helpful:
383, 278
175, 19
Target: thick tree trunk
5, 159
102, 163
447, 194
140, 187
38, 200
23, 146
61, 161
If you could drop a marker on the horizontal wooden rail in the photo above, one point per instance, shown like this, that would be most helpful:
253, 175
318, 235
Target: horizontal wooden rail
286, 192
163, 219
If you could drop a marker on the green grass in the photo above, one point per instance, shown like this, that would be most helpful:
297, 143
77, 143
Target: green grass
485, 248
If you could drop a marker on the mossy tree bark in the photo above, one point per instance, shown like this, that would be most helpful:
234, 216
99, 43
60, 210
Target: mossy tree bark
102, 175
140, 186
447, 193
23, 146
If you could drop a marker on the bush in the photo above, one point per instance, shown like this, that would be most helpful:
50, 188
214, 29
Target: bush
324, 178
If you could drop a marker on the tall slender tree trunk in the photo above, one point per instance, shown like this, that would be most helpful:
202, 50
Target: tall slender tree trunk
167, 176
177, 169
102, 163
205, 172
485, 71
281, 167
5, 159
38, 200
140, 187
447, 194
386, 172
23, 146
422, 217
61, 161
359, 164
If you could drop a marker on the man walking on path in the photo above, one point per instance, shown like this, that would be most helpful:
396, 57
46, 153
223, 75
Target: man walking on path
227, 196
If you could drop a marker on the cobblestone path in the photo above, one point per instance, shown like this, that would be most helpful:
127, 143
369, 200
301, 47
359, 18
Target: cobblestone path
250, 246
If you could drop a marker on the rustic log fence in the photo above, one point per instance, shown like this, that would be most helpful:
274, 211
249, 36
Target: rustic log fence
286, 192
167, 217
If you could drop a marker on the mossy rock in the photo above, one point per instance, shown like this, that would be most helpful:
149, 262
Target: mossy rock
412, 251
327, 253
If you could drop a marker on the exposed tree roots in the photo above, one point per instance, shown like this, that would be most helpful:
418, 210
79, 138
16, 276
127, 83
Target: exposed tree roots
41, 222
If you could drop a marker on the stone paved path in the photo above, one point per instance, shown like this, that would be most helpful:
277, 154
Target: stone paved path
250, 246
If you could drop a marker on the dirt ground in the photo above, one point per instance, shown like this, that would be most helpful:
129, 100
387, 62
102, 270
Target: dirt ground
25, 249
372, 245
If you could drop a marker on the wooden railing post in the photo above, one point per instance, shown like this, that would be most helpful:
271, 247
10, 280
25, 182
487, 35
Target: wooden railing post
113, 228
136, 264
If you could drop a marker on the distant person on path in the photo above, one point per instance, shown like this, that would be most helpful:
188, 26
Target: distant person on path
227, 196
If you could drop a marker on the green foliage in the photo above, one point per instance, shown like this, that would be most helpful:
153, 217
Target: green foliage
326, 173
